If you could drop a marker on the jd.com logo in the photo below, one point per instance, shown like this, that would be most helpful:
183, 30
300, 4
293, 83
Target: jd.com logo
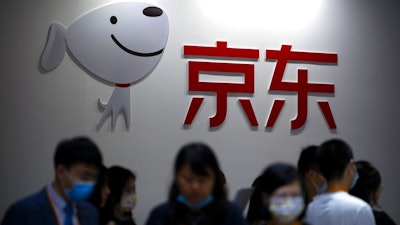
120, 43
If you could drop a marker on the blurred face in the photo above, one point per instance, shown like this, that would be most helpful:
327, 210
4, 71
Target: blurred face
194, 187
128, 191
77, 172
82, 175
129, 188
105, 192
286, 203
290, 190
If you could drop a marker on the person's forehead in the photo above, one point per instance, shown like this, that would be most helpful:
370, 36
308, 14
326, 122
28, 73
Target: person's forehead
83, 167
293, 187
186, 169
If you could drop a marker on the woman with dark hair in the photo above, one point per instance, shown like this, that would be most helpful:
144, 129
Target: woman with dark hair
197, 195
368, 188
101, 191
122, 198
277, 197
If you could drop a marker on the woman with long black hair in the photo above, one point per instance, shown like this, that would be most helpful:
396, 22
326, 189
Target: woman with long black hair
197, 195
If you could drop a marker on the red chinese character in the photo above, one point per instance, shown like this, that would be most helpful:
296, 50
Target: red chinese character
302, 87
221, 89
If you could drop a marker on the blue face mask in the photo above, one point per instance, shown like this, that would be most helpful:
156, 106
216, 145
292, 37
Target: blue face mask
193, 205
323, 188
80, 191
355, 180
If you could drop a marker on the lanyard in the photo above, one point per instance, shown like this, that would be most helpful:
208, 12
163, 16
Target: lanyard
53, 205
335, 187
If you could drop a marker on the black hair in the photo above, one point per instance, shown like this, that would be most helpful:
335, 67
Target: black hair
307, 160
368, 182
306, 163
200, 157
272, 178
76, 150
332, 158
117, 177
95, 198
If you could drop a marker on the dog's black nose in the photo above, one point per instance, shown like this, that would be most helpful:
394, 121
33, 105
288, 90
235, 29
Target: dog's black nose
152, 11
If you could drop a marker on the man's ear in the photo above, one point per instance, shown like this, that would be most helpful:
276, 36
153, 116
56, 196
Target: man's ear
310, 175
352, 166
60, 171
316, 177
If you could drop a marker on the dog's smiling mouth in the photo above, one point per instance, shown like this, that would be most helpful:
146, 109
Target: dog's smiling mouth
133, 52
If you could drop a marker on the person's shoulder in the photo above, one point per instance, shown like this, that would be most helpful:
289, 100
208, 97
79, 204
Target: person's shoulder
352, 200
232, 207
87, 208
158, 214
318, 199
382, 217
163, 207
31, 200
160, 211
235, 215
20, 211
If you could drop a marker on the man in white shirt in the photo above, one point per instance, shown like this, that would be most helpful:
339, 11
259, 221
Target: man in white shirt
336, 206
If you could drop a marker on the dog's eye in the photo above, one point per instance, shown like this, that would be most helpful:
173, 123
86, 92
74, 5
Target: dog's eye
152, 11
113, 20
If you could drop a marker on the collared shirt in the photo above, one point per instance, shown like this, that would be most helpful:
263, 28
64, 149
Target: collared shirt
60, 205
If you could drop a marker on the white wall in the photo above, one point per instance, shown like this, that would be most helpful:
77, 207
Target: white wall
40, 109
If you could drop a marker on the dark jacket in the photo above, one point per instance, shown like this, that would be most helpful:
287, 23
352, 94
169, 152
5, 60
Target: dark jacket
234, 216
36, 209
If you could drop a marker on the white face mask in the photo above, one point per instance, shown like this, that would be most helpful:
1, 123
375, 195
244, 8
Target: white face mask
286, 209
128, 201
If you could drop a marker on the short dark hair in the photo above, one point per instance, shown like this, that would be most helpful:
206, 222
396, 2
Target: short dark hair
332, 158
368, 182
307, 160
76, 150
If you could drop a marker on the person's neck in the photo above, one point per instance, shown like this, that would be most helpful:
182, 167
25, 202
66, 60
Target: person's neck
274, 222
194, 210
338, 185
57, 187
119, 214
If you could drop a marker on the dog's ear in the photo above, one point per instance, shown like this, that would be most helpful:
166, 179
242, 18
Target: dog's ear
54, 51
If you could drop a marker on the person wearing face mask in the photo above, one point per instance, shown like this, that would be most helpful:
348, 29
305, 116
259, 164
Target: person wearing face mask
310, 176
62, 202
197, 195
369, 188
122, 198
336, 206
277, 198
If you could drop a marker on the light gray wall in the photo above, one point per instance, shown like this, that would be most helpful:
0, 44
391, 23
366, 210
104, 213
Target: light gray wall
38, 110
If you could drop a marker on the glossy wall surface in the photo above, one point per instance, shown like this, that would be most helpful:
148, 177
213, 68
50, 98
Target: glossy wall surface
38, 109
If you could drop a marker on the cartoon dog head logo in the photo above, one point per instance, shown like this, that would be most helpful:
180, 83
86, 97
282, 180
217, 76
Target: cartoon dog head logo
120, 43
